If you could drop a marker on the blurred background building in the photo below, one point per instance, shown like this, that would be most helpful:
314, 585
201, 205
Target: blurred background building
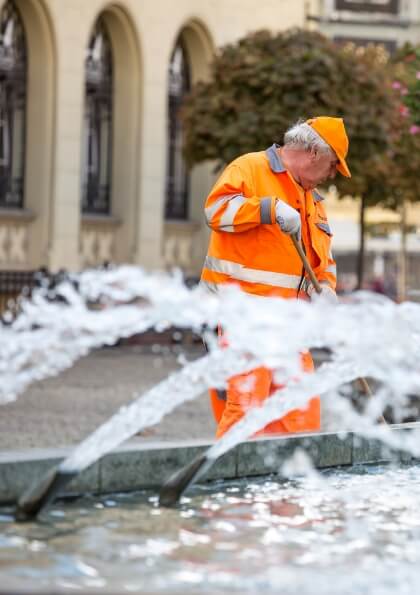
91, 169
90, 140
388, 22
391, 256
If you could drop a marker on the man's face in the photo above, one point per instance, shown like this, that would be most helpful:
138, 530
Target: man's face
315, 168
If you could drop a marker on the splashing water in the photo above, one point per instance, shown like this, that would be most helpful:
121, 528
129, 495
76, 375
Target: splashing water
341, 532
151, 407
369, 336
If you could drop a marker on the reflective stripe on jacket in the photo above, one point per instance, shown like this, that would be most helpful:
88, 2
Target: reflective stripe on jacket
246, 245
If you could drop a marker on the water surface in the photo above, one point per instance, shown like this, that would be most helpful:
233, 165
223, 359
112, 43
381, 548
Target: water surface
345, 532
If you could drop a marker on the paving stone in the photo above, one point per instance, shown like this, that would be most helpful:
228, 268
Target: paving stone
17, 477
87, 481
333, 450
223, 468
135, 468
65, 409
370, 451
413, 428
268, 456
260, 457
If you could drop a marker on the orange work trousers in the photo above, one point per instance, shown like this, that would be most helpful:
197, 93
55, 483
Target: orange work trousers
249, 390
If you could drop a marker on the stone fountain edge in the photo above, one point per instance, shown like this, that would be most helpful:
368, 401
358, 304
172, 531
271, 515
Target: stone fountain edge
146, 465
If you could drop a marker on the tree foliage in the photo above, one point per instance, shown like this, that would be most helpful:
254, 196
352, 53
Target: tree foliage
408, 71
403, 156
265, 82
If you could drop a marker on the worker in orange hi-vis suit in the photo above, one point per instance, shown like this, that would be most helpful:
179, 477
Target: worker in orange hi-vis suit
257, 203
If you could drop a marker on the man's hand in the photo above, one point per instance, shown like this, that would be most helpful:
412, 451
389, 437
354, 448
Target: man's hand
288, 219
327, 293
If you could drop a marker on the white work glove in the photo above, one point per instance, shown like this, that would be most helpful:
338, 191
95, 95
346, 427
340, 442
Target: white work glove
288, 219
327, 293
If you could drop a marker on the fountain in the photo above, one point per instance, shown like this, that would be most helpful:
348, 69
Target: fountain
368, 336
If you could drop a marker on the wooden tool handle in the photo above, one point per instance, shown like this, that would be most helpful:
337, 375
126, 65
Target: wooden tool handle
306, 265
309, 270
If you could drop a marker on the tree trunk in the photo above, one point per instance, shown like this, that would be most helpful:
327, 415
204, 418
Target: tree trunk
361, 255
402, 269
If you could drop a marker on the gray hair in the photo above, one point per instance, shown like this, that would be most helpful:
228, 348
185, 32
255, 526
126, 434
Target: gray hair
303, 136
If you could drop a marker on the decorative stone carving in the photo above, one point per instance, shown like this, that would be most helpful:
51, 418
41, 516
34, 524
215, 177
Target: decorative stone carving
170, 251
13, 244
97, 246
88, 247
105, 246
178, 251
17, 244
184, 249
3, 244
178, 245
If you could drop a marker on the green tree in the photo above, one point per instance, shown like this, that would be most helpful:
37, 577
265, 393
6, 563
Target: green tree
408, 72
404, 153
265, 82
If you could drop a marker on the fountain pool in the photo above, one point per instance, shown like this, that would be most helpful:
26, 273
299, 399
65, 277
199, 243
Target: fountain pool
338, 531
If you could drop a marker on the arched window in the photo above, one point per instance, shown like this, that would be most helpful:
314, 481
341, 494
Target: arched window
177, 182
12, 106
97, 150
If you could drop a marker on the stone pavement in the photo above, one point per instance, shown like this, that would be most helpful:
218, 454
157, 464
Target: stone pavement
62, 411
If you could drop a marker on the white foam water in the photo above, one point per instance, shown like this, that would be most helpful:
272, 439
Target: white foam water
369, 336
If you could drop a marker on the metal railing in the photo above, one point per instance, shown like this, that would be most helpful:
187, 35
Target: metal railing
14, 284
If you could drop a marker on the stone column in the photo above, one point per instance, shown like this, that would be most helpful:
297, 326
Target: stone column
152, 179
72, 21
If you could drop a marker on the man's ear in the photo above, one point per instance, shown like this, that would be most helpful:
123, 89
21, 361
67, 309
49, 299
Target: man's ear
313, 155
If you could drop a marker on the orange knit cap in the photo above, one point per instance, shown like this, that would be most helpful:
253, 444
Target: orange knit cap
333, 132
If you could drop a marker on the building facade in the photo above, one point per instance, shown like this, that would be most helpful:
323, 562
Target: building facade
91, 169
388, 22
392, 255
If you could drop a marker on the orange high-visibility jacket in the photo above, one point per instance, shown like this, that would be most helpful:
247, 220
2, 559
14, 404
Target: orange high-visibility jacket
247, 246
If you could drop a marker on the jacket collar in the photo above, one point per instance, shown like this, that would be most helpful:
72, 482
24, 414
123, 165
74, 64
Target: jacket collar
277, 167
274, 159
317, 196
